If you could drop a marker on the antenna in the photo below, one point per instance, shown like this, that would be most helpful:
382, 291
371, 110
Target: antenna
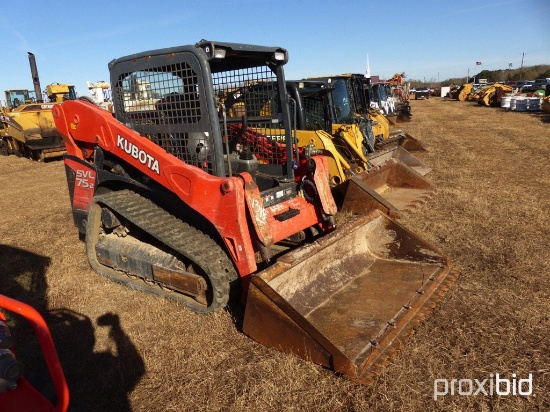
367, 73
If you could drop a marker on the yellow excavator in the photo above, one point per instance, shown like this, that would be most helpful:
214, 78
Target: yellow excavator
28, 128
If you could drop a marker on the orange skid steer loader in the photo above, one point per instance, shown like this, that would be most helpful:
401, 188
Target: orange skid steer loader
182, 198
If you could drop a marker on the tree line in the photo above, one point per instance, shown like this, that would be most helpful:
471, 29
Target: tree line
539, 71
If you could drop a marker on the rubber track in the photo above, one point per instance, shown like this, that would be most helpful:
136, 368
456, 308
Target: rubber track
182, 238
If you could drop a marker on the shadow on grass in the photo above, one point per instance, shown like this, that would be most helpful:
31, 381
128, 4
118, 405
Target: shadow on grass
543, 117
98, 381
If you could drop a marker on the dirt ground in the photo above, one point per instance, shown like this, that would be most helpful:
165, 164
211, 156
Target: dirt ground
122, 350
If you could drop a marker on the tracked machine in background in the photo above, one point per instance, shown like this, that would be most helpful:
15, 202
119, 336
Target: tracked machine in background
187, 200
381, 99
28, 127
351, 113
400, 93
101, 94
384, 133
359, 186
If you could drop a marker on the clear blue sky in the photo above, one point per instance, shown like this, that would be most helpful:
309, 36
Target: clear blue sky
433, 40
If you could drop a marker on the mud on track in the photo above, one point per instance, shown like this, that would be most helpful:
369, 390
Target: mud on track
122, 350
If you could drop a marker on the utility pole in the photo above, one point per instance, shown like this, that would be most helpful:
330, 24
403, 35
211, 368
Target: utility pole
521, 68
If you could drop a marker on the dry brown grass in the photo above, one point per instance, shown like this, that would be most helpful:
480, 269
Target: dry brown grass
490, 214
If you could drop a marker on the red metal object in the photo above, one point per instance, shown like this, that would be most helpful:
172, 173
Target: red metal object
321, 178
25, 398
266, 150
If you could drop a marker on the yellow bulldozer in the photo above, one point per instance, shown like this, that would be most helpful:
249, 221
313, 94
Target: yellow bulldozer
28, 127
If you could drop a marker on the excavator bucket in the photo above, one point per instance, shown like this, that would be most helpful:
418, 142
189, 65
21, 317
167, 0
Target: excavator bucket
349, 300
393, 188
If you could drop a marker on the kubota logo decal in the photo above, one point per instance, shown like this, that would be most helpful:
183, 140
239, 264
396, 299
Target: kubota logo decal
143, 157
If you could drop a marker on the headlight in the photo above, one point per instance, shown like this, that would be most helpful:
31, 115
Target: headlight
219, 53
279, 56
